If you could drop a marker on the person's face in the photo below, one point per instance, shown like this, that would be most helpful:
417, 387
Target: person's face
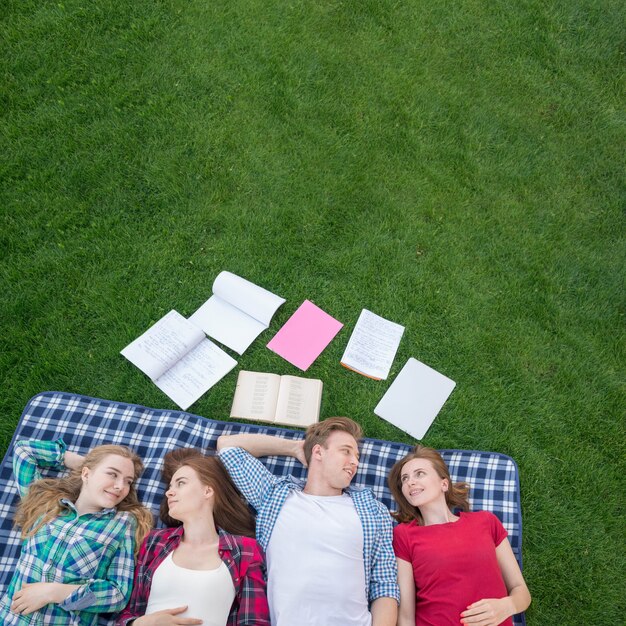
339, 459
187, 495
106, 484
421, 484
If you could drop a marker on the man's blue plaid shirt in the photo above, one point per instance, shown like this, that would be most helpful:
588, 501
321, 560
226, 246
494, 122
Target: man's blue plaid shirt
267, 494
94, 551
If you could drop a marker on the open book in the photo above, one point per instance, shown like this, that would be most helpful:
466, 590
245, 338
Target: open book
179, 359
286, 400
237, 312
414, 398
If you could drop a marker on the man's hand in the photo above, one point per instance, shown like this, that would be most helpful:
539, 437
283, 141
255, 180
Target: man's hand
167, 617
299, 452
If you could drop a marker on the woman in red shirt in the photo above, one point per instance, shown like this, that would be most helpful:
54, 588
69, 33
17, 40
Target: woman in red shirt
451, 568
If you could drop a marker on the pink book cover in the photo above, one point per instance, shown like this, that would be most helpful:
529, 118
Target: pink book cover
305, 335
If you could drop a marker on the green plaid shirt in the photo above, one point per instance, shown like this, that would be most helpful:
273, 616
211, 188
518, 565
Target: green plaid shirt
94, 551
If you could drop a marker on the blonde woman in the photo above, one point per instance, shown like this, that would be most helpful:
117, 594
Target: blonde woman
79, 532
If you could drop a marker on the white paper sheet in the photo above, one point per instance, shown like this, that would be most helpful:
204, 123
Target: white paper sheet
373, 345
195, 373
164, 343
237, 312
255, 396
253, 300
414, 398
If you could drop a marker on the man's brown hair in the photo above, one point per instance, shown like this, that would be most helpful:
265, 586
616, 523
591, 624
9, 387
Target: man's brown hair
320, 432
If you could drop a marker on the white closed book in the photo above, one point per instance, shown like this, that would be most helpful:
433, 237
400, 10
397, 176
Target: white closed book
414, 398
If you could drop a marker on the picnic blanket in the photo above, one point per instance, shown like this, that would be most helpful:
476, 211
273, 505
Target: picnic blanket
85, 422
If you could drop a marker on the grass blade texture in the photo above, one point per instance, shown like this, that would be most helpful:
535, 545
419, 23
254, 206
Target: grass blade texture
456, 167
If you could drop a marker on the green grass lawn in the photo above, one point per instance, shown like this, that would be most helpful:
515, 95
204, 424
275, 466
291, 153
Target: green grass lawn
454, 167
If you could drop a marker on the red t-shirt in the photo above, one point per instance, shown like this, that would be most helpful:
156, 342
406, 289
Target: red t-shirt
454, 565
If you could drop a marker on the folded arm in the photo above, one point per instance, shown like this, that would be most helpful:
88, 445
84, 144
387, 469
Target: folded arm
33, 596
263, 445
31, 456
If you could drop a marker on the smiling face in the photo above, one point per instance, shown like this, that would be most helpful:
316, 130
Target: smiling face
187, 496
106, 484
421, 484
338, 459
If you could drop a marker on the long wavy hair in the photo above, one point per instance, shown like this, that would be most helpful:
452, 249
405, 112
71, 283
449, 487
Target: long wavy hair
457, 495
42, 503
230, 510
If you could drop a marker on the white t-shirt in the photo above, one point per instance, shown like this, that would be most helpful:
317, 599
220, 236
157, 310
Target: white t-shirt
315, 570
208, 594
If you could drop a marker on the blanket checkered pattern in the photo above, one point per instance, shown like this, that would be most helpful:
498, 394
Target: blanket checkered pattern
85, 422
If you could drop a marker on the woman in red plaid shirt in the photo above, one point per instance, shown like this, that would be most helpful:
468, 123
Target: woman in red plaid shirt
206, 568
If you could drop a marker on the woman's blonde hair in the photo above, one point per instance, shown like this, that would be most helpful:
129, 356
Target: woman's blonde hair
457, 495
42, 503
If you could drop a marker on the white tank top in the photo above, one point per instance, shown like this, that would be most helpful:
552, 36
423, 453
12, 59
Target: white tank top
208, 594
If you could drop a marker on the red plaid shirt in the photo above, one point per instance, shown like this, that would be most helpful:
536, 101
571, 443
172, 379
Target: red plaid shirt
242, 556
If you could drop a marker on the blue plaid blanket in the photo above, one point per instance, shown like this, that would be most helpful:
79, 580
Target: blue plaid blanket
85, 422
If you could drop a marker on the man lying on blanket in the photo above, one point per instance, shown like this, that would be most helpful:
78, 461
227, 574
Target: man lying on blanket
329, 546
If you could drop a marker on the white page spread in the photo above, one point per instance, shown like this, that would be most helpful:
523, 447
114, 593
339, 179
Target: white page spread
163, 344
414, 398
298, 401
286, 400
255, 396
237, 312
373, 345
253, 300
195, 373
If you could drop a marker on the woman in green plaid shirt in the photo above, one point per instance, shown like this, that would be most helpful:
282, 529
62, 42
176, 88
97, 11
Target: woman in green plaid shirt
79, 532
